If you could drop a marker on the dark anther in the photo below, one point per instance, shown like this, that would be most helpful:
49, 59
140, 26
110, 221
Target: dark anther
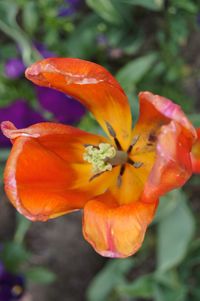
111, 130
138, 164
149, 144
134, 141
135, 164
152, 137
113, 134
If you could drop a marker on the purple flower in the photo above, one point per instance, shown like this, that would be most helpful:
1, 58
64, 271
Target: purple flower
69, 8
21, 114
14, 68
64, 108
11, 286
43, 50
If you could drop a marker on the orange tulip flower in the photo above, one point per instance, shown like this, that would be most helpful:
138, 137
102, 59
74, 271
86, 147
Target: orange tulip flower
195, 155
54, 169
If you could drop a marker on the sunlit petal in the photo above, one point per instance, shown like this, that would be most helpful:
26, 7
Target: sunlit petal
92, 85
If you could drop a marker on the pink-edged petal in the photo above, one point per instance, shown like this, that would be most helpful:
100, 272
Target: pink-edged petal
165, 137
172, 167
116, 231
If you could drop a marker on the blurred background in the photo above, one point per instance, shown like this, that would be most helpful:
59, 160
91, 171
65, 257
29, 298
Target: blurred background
148, 45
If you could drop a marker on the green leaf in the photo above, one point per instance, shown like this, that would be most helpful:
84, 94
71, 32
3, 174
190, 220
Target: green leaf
13, 255
106, 9
132, 46
168, 203
23, 224
108, 278
175, 232
158, 294
80, 41
89, 124
142, 287
149, 4
40, 275
133, 72
165, 294
4, 153
195, 119
30, 16
169, 279
8, 24
186, 5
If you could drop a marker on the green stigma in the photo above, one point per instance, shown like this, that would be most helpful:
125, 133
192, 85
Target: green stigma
99, 157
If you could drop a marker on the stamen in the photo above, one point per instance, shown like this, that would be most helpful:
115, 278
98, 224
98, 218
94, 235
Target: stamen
122, 170
138, 164
117, 144
135, 164
95, 176
130, 161
113, 134
134, 141
111, 130
119, 181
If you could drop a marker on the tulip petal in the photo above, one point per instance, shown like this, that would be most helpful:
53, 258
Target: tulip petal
45, 174
195, 155
164, 131
172, 167
116, 231
156, 110
131, 184
93, 86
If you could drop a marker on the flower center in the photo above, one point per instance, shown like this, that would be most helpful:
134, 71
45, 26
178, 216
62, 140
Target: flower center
100, 156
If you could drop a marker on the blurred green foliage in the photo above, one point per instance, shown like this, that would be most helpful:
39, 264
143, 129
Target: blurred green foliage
17, 258
142, 42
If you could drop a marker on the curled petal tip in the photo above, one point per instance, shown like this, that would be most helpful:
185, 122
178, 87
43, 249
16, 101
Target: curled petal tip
7, 128
110, 254
35, 74
33, 70
10, 131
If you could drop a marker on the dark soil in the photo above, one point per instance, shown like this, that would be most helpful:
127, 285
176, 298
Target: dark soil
57, 244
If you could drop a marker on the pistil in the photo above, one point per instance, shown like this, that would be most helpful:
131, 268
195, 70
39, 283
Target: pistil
103, 157
99, 157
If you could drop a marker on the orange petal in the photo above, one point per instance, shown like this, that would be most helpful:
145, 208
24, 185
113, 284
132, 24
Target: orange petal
116, 231
92, 85
165, 138
45, 174
172, 167
195, 155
